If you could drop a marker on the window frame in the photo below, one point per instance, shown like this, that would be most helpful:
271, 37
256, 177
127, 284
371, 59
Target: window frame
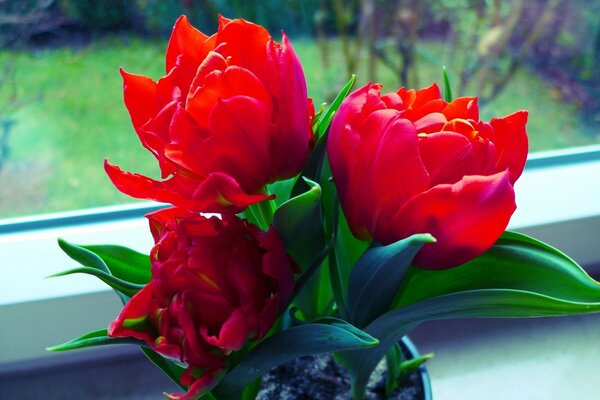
572, 176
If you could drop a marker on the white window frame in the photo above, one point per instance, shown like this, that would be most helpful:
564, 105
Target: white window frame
558, 200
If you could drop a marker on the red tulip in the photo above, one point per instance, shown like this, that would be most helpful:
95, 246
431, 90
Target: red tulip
409, 162
230, 116
215, 285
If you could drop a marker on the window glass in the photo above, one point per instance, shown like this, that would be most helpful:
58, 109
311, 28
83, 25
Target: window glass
61, 108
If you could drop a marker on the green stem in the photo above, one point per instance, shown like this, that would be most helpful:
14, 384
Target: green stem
266, 210
334, 271
263, 212
357, 393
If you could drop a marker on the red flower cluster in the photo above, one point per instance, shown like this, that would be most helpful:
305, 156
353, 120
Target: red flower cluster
216, 283
230, 116
409, 162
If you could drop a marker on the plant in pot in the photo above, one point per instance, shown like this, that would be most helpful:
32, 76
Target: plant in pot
292, 232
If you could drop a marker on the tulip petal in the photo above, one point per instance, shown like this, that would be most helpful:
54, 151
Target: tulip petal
390, 146
511, 142
344, 134
448, 156
232, 335
249, 53
206, 381
221, 193
430, 123
233, 81
187, 40
134, 318
462, 107
466, 218
139, 93
288, 88
141, 187
246, 122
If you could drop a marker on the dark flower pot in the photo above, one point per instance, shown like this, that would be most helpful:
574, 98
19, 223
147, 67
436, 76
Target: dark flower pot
410, 348
320, 377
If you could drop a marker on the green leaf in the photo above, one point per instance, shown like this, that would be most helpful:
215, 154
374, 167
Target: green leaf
348, 250
324, 335
393, 360
377, 275
83, 256
299, 223
325, 118
447, 88
408, 367
92, 339
119, 285
517, 262
282, 190
518, 277
124, 263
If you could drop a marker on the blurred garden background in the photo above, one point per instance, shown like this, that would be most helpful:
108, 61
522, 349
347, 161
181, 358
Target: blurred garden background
61, 108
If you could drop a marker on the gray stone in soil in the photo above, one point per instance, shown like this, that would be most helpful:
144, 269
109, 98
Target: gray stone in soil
320, 377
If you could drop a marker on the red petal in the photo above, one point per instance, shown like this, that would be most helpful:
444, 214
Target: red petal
376, 190
448, 156
137, 308
213, 62
246, 44
511, 143
426, 95
221, 193
432, 122
276, 264
139, 93
293, 133
233, 333
466, 218
233, 81
206, 381
171, 191
187, 40
344, 133
246, 122
462, 107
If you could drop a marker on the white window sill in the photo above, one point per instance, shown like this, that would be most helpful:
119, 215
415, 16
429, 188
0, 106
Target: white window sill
559, 204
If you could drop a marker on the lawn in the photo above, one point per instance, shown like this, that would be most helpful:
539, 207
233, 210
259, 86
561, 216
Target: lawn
71, 117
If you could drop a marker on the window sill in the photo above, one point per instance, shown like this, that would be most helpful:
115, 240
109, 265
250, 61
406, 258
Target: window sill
557, 203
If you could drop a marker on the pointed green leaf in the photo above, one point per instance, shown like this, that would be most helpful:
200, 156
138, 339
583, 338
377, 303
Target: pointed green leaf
347, 251
517, 262
518, 277
377, 275
325, 119
447, 87
393, 360
92, 339
119, 285
299, 223
83, 256
124, 263
282, 190
408, 367
325, 335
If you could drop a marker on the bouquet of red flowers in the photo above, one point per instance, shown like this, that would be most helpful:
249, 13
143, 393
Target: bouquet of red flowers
294, 232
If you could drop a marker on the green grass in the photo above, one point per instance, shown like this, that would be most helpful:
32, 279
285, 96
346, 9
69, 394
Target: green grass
71, 117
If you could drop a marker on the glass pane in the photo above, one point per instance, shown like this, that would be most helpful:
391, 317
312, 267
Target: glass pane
61, 108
